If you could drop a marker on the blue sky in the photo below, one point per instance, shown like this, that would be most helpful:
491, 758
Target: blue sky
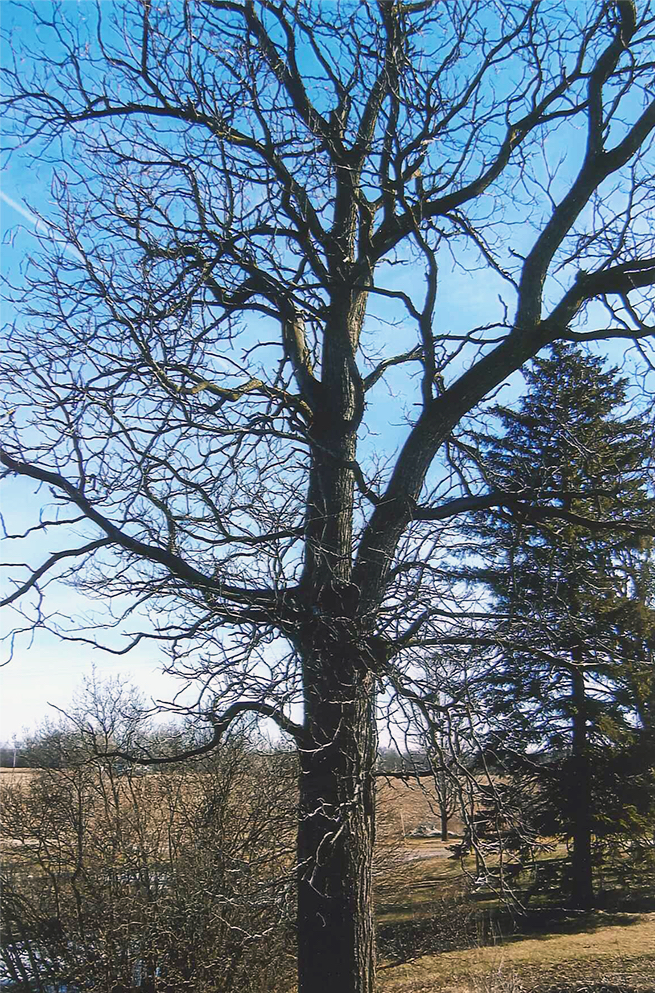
45, 670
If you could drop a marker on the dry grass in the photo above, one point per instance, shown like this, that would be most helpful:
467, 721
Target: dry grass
405, 804
16, 777
611, 951
418, 882
425, 873
592, 953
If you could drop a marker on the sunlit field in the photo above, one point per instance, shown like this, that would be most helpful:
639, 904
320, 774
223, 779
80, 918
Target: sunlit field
442, 929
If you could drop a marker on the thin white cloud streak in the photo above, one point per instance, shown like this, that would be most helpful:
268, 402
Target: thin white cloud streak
40, 225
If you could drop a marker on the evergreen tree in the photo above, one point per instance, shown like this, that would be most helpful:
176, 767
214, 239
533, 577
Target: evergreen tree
570, 469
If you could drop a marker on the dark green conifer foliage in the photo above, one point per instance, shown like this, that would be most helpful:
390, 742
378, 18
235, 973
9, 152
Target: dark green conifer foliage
575, 622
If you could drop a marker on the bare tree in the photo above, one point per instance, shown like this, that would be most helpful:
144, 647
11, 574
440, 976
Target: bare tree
267, 212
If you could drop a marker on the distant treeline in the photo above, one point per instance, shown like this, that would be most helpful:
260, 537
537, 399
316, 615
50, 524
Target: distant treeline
11, 757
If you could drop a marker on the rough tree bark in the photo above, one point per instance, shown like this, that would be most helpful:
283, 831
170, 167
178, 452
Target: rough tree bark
444, 817
336, 830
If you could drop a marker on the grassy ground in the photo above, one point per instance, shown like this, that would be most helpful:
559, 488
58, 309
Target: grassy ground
438, 934
594, 953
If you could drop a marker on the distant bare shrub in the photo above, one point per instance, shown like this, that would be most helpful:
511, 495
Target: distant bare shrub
116, 880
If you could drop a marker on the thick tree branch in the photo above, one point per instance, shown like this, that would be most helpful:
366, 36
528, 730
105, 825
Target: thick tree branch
524, 506
257, 600
619, 280
220, 724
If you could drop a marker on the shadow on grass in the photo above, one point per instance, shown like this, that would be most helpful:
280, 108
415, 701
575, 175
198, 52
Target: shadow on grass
464, 925
446, 929
548, 922
598, 988
416, 922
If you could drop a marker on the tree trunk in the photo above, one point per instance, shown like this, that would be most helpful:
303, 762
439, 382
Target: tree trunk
336, 939
444, 817
582, 891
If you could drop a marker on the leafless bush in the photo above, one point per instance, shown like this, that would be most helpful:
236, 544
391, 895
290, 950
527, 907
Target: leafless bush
117, 880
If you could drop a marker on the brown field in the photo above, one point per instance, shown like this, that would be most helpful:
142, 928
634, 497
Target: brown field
405, 805
417, 881
9, 777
